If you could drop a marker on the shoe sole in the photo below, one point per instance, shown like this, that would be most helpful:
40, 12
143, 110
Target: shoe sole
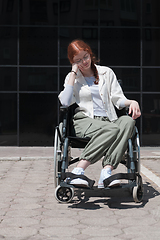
79, 183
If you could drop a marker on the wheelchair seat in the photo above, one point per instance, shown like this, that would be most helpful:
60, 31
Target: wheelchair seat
67, 114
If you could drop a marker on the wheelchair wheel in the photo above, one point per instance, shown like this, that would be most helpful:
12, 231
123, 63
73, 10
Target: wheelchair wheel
64, 194
57, 156
138, 193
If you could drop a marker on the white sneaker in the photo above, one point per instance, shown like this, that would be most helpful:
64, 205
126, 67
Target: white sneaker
78, 181
106, 173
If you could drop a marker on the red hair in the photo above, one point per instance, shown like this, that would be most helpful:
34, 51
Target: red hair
78, 45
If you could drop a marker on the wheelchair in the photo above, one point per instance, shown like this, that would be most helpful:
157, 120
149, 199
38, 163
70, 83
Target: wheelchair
65, 141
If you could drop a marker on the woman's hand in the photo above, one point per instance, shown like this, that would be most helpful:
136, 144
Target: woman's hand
75, 67
134, 109
73, 74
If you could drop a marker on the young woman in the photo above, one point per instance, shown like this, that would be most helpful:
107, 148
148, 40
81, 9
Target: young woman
97, 92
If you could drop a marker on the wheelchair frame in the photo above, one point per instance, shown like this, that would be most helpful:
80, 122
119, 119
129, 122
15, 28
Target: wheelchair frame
64, 141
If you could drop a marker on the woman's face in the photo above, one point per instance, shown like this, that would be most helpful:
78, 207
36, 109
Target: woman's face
83, 60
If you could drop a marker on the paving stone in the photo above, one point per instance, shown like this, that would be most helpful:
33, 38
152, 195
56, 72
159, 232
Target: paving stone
101, 231
100, 221
29, 211
150, 232
19, 222
139, 220
59, 221
19, 232
59, 231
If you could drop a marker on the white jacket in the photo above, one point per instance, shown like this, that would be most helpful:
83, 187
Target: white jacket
109, 89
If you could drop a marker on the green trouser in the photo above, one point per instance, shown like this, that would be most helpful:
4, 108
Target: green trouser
108, 139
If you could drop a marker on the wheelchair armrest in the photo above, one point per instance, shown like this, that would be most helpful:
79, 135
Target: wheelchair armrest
127, 110
122, 112
64, 108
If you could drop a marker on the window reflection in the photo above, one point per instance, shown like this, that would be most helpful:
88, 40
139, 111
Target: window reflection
151, 79
79, 12
8, 79
120, 47
8, 45
151, 47
9, 12
39, 12
38, 117
151, 15
38, 46
151, 119
130, 78
8, 119
38, 79
120, 13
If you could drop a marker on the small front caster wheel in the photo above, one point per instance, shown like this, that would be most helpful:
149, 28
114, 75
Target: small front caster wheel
64, 194
138, 194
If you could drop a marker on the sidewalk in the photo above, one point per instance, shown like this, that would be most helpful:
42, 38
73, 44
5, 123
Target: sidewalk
29, 211
150, 156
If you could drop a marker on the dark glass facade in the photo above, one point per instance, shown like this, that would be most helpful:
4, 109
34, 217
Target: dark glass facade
34, 35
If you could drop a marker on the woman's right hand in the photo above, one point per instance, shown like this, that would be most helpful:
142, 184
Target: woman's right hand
73, 74
75, 67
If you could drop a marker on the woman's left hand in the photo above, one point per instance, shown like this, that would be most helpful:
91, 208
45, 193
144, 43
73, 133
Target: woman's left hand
134, 109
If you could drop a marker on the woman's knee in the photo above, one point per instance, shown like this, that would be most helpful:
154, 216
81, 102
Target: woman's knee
127, 121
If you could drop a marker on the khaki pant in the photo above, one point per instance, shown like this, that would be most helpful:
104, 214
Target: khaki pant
108, 139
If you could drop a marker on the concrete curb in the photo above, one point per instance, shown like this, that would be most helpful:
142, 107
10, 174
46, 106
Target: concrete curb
25, 158
149, 157
149, 174
35, 158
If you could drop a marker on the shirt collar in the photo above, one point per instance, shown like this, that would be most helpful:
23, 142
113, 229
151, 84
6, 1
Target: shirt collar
101, 70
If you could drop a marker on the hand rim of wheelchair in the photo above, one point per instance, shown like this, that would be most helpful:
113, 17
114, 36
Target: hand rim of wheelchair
56, 152
64, 194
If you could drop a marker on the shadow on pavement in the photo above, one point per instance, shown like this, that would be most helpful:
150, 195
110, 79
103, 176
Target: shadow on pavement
114, 198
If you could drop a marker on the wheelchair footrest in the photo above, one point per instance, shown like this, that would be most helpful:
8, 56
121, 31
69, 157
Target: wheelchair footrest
74, 176
128, 176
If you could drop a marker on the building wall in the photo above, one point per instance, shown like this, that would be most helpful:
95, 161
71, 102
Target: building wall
34, 35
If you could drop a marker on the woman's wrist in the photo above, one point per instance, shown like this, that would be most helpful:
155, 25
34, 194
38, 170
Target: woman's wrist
72, 71
128, 102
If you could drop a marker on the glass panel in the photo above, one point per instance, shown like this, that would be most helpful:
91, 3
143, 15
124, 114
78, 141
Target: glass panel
9, 12
151, 120
79, 12
8, 45
120, 13
8, 119
8, 80
39, 12
151, 13
89, 35
151, 40
151, 78
38, 117
130, 78
38, 79
38, 46
120, 47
